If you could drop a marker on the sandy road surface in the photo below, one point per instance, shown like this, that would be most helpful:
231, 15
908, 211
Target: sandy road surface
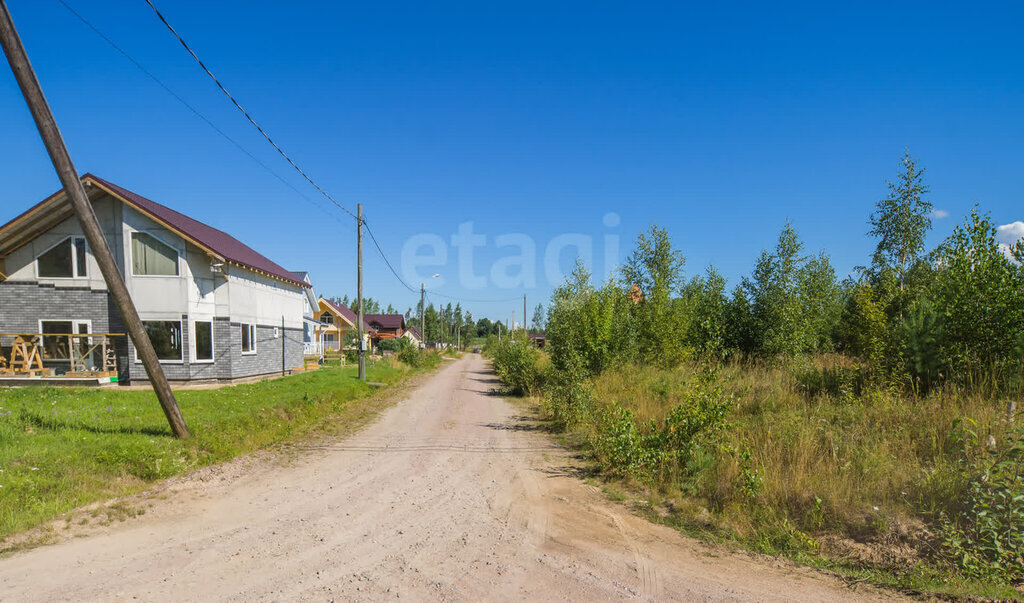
446, 497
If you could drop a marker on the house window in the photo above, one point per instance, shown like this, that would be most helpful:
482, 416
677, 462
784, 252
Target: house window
166, 338
150, 257
64, 260
204, 341
327, 318
248, 339
55, 338
328, 337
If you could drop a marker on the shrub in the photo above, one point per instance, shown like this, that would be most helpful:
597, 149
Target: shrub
986, 539
417, 358
394, 345
516, 363
662, 451
568, 397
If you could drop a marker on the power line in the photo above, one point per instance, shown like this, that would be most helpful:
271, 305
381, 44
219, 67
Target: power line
385, 258
189, 106
478, 301
406, 285
283, 154
244, 112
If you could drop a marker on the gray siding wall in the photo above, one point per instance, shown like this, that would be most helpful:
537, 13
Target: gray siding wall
229, 362
23, 305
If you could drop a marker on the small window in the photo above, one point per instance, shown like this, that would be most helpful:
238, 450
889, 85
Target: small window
166, 338
327, 318
204, 340
248, 339
64, 260
150, 257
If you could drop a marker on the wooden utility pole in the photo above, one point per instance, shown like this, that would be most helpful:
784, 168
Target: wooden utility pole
75, 192
359, 292
423, 330
525, 332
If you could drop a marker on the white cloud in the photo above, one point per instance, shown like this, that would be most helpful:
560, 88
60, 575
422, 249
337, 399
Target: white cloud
1008, 234
939, 214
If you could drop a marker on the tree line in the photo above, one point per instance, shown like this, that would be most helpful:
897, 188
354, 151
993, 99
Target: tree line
912, 316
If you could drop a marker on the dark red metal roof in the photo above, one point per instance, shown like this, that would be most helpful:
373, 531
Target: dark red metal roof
218, 241
386, 321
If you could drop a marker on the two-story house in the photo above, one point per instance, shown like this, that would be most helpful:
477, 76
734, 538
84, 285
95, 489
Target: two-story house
340, 325
214, 308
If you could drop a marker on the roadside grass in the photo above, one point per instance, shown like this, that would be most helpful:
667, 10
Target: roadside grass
61, 448
811, 463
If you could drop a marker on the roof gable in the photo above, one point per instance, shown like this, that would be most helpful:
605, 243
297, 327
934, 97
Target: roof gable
211, 240
346, 313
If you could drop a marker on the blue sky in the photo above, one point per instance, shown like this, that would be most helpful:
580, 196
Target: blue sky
717, 121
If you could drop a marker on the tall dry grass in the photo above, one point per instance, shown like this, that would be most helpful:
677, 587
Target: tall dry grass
813, 446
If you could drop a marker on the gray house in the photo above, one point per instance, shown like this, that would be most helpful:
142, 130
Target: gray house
215, 309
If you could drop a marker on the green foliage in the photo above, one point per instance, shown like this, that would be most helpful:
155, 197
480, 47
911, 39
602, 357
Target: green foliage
986, 539
794, 302
654, 271
568, 397
924, 336
707, 303
980, 294
516, 364
845, 444
864, 328
589, 330
417, 358
901, 220
394, 345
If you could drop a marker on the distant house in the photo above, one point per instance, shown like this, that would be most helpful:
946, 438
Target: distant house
339, 321
386, 326
312, 328
214, 308
538, 339
414, 336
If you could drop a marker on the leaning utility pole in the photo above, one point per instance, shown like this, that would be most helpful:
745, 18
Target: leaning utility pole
359, 292
75, 192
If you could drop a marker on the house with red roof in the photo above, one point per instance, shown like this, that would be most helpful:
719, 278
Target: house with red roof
215, 309
386, 326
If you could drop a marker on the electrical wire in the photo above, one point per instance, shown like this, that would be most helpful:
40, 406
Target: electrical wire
384, 257
244, 112
190, 107
282, 153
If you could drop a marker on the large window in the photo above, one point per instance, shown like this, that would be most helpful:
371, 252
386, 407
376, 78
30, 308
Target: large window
64, 260
248, 339
166, 338
204, 341
56, 341
150, 257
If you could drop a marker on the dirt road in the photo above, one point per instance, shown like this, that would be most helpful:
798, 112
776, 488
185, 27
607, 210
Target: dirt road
447, 496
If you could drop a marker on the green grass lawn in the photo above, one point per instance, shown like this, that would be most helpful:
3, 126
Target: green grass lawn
65, 447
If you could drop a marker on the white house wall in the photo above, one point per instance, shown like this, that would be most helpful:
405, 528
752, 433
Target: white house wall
21, 264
